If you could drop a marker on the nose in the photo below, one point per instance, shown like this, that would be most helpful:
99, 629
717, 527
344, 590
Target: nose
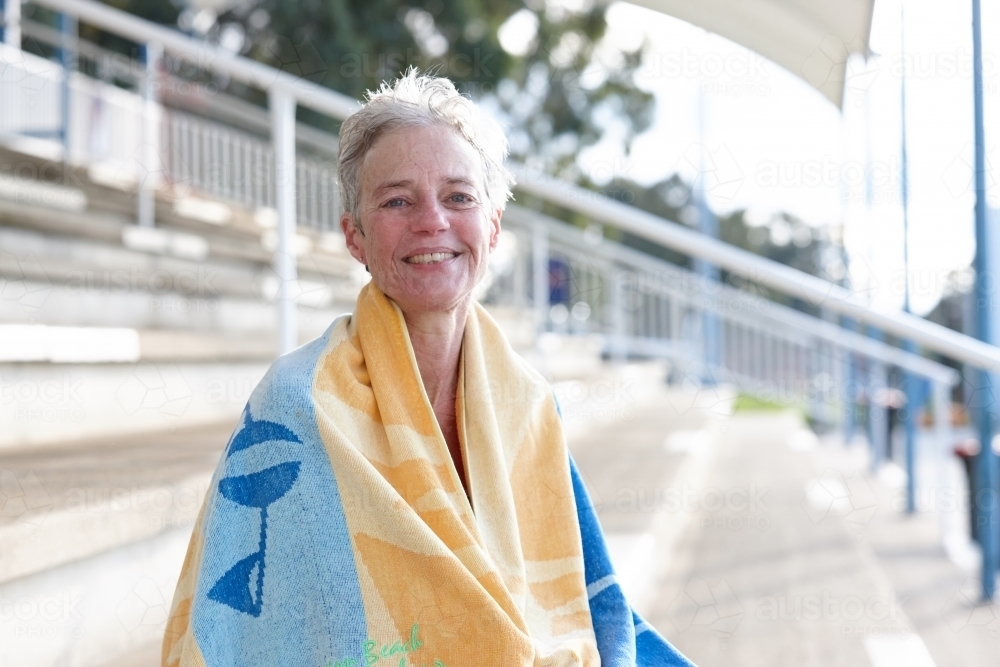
430, 216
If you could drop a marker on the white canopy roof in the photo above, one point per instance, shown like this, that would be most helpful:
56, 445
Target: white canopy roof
810, 38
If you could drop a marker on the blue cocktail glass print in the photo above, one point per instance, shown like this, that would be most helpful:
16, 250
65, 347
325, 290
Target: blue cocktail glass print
242, 586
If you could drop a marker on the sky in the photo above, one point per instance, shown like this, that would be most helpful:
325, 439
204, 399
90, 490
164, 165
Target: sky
772, 143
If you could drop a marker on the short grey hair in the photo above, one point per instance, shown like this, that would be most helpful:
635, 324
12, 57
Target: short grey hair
421, 101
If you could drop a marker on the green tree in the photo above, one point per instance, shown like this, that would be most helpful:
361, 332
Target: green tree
554, 89
783, 238
550, 88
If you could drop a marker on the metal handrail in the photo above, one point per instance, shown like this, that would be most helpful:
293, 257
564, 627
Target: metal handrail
220, 106
752, 267
761, 270
207, 56
695, 287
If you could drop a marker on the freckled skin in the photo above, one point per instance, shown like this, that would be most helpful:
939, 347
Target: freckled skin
427, 213
423, 191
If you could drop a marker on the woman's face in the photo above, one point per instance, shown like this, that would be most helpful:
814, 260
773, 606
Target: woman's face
426, 231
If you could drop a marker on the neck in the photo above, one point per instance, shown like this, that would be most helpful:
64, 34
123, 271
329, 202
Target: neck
436, 338
437, 344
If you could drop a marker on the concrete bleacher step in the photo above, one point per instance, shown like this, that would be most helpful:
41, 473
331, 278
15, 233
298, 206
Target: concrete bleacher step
67, 502
89, 265
109, 328
46, 196
96, 529
220, 243
92, 535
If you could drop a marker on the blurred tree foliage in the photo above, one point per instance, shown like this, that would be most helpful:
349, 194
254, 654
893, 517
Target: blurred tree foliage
546, 68
782, 237
556, 86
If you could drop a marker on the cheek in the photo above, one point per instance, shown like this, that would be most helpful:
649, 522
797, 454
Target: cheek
382, 258
380, 250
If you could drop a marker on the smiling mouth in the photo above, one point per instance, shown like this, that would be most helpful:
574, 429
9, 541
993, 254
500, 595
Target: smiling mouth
430, 258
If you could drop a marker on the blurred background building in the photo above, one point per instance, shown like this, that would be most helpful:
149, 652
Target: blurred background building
749, 247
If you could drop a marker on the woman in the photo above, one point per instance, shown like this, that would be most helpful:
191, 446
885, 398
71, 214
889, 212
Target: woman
399, 491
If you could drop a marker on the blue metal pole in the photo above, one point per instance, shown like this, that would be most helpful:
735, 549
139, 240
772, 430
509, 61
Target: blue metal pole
912, 386
874, 371
850, 393
709, 225
67, 58
710, 322
10, 29
909, 380
877, 413
986, 461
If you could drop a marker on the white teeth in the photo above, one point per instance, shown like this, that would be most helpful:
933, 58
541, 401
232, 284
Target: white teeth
430, 258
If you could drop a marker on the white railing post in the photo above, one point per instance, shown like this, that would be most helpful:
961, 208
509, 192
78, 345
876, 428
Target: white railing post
676, 334
149, 145
520, 277
815, 383
768, 356
675, 319
836, 391
616, 309
877, 415
942, 416
282, 105
12, 23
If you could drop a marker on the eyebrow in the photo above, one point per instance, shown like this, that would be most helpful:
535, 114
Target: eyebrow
459, 180
404, 183
390, 186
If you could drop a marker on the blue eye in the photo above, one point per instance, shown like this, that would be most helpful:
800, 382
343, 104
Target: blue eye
391, 202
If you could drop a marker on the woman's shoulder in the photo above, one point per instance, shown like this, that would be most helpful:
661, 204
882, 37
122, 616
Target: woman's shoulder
292, 373
280, 408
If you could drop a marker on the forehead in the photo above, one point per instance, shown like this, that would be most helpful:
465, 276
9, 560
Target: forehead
410, 156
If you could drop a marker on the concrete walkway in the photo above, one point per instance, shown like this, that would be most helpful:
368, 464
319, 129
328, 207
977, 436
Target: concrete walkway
759, 546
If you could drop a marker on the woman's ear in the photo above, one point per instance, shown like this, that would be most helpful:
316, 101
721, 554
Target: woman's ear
353, 237
495, 228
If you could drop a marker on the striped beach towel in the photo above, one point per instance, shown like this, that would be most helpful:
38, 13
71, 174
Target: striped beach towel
336, 531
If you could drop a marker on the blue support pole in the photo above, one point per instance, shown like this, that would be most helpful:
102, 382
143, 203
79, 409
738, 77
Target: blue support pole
878, 430
67, 58
711, 330
709, 225
913, 387
874, 372
10, 29
910, 381
988, 519
850, 384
